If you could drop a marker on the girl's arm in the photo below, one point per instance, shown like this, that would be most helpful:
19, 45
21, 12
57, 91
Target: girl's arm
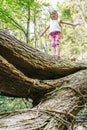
63, 22
44, 31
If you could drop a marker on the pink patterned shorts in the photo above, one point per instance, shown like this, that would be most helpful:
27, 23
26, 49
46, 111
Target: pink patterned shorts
55, 38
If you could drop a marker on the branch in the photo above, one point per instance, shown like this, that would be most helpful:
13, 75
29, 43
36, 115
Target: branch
12, 21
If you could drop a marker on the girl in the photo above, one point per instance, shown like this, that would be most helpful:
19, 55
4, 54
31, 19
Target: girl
55, 33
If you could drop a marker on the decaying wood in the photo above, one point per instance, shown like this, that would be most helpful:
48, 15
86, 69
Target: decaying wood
57, 110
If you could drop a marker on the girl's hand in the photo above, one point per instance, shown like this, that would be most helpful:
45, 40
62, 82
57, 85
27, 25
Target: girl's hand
76, 24
41, 35
61, 35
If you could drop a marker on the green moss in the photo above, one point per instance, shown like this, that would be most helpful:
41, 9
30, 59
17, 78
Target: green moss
57, 89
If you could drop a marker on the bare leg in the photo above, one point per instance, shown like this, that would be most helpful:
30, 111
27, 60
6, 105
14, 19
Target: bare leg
54, 51
58, 52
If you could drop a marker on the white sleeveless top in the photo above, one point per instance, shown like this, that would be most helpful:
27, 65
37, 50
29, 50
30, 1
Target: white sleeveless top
54, 26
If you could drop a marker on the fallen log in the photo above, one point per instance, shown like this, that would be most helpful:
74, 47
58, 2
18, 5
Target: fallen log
57, 110
34, 63
58, 87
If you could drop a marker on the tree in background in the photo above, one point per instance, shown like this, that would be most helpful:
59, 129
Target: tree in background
75, 39
16, 16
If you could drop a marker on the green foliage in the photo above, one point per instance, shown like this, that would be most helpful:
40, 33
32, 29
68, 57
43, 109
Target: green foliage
66, 13
15, 16
12, 104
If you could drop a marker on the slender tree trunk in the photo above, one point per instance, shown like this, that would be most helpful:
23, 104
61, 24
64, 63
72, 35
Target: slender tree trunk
28, 27
35, 40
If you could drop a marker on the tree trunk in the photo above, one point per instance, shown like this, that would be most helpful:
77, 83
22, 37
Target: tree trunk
32, 62
58, 87
28, 27
57, 110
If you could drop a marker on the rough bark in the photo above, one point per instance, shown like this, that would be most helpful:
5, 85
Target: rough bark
21, 64
59, 86
34, 63
57, 111
14, 83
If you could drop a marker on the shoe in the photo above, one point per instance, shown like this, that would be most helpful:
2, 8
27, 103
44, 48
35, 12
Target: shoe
57, 57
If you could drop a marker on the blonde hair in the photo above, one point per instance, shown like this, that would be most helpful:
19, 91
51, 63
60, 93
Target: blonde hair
53, 11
